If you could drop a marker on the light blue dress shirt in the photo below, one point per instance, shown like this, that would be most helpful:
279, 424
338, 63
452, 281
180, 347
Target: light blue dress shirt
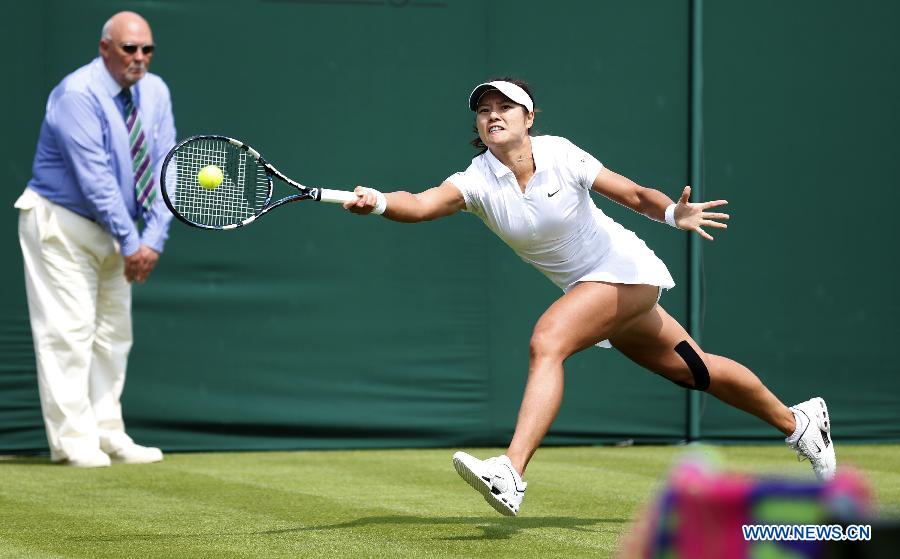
83, 162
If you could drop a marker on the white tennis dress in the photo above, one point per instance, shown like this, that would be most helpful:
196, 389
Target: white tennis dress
555, 225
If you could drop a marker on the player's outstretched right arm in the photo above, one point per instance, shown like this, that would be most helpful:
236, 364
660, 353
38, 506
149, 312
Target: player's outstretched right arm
406, 207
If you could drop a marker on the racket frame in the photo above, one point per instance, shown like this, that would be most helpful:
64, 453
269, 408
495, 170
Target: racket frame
304, 192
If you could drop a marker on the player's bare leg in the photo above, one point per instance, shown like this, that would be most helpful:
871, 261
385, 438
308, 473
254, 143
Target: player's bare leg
587, 314
652, 341
649, 342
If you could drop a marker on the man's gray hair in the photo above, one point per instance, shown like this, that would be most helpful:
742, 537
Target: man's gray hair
104, 32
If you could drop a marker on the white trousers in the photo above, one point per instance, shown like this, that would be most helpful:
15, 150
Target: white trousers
79, 303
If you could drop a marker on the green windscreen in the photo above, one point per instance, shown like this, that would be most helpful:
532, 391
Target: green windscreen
314, 328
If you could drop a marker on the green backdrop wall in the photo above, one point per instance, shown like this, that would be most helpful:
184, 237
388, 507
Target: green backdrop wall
317, 329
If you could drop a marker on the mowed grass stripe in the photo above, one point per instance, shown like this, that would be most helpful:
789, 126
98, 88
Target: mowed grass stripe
404, 503
398, 486
385, 531
403, 484
119, 521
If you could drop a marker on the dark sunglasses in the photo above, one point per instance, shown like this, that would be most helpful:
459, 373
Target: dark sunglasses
131, 48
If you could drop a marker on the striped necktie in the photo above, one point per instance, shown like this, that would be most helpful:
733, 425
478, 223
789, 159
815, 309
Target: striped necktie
144, 192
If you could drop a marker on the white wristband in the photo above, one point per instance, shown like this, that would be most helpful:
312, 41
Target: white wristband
670, 216
380, 201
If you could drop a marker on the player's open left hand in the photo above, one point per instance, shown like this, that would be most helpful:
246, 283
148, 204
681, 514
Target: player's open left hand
693, 217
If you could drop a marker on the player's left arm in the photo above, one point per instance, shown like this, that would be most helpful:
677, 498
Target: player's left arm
653, 203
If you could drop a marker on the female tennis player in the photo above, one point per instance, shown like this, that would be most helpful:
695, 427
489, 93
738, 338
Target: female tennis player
533, 192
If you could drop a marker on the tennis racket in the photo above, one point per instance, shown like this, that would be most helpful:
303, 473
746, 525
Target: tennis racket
245, 191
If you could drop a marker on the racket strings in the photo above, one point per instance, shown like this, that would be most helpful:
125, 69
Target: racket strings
243, 192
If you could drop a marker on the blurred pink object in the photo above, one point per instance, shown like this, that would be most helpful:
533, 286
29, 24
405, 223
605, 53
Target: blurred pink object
701, 513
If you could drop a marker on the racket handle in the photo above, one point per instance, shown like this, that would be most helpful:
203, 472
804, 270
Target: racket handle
341, 196
335, 196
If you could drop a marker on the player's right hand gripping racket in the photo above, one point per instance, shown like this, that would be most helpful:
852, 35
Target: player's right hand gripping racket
246, 187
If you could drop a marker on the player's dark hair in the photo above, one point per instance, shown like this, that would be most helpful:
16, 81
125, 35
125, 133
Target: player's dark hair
477, 143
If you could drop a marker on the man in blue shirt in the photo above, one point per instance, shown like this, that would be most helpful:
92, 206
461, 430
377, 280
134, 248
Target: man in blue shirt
90, 224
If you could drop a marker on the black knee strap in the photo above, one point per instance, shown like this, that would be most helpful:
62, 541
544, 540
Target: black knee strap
695, 364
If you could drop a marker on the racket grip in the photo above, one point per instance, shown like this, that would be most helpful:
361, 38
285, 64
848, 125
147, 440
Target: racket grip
335, 196
341, 196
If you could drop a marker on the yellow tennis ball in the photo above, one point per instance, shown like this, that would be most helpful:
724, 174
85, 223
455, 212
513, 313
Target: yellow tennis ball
210, 177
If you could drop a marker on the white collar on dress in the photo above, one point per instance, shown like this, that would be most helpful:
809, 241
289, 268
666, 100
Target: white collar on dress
537, 152
498, 168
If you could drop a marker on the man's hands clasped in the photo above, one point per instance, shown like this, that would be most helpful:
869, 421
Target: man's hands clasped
139, 265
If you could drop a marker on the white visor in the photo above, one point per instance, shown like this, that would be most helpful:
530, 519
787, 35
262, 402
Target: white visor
511, 90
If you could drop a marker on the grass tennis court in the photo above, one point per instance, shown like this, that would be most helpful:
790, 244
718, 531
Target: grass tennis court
400, 503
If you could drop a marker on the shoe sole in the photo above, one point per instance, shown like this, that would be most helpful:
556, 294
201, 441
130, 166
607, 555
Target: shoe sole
481, 486
87, 465
822, 416
146, 458
133, 461
822, 421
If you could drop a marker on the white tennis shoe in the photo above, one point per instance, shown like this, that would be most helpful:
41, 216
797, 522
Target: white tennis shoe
814, 441
136, 454
495, 478
95, 459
